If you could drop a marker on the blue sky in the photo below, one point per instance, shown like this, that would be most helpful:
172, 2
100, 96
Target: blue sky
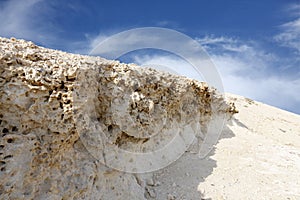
254, 44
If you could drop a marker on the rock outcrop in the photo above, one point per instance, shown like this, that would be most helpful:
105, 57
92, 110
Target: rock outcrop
62, 115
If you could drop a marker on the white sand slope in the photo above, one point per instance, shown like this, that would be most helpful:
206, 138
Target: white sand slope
258, 157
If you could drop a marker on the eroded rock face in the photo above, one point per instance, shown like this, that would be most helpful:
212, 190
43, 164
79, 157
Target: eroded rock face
55, 104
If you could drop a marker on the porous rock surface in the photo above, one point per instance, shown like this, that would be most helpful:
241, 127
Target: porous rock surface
46, 95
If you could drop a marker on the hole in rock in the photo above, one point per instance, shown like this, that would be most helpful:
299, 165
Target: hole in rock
10, 140
5, 130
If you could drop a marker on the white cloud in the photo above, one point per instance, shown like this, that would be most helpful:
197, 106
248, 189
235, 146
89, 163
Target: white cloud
226, 43
17, 19
290, 36
239, 77
293, 9
290, 31
94, 40
32, 20
254, 73
211, 39
168, 63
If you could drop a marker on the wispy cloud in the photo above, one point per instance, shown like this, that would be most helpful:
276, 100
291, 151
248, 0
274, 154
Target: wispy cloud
290, 31
252, 76
255, 73
169, 63
20, 18
227, 43
94, 40
293, 9
14, 15
35, 20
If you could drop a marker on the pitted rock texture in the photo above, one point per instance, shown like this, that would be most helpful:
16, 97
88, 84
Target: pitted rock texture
44, 93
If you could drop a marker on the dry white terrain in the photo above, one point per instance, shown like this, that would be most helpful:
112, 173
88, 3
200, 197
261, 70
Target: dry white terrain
257, 157
260, 159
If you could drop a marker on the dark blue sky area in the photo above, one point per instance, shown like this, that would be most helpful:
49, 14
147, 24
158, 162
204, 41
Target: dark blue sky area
246, 19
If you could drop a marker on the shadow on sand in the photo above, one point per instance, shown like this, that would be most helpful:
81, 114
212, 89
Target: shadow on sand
181, 178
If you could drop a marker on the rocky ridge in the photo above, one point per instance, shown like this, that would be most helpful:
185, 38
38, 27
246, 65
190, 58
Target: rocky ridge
49, 99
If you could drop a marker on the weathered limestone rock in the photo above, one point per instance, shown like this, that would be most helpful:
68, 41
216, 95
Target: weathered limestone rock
50, 101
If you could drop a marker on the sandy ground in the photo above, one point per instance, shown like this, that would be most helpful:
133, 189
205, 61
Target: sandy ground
257, 157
